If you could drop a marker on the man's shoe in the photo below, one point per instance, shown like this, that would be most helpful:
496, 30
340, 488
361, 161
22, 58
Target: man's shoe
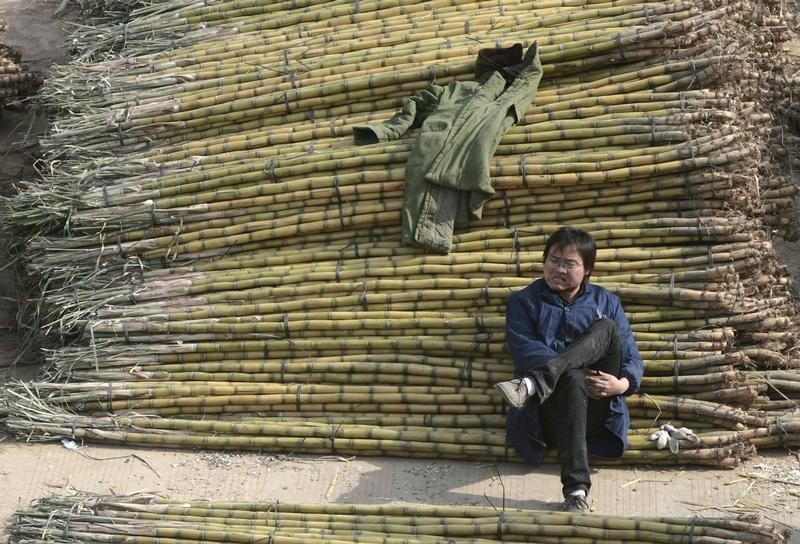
575, 503
515, 392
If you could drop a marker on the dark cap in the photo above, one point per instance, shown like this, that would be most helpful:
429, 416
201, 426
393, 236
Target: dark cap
509, 61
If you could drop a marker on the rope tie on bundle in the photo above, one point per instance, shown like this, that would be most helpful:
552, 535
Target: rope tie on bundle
501, 516
779, 424
689, 186
694, 72
65, 532
517, 249
270, 170
671, 288
506, 209
620, 47
93, 345
480, 323
676, 371
151, 207
287, 102
338, 269
692, 527
334, 431
338, 193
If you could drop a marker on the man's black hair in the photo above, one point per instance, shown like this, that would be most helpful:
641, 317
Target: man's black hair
570, 236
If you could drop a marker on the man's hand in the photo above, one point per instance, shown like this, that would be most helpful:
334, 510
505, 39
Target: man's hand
602, 385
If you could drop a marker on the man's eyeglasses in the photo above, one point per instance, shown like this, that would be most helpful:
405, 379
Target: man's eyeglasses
566, 265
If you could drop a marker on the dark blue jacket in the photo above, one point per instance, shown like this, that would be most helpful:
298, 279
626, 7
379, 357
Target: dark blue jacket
540, 325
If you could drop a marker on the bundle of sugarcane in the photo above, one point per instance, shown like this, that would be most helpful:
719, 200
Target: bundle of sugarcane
15, 81
716, 259
214, 246
297, 77
783, 383
229, 106
234, 211
146, 518
404, 420
399, 421
326, 77
183, 24
376, 298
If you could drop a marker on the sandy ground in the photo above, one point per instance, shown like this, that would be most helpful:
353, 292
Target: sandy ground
768, 485
40, 37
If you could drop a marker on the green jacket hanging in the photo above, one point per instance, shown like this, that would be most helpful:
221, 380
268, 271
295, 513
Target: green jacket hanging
447, 174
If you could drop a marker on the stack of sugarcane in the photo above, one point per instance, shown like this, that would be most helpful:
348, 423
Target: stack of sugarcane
146, 518
15, 81
224, 265
96, 13
400, 421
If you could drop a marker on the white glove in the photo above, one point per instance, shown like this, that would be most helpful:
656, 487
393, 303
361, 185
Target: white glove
668, 435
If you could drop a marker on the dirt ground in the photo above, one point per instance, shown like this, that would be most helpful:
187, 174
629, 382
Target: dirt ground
40, 37
768, 485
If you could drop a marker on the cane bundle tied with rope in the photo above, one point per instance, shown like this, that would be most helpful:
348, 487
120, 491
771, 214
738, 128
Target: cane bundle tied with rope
146, 518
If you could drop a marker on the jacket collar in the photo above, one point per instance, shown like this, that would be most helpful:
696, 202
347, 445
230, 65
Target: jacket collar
586, 288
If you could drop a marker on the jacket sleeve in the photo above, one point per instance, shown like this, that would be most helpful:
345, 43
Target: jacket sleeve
523, 89
418, 107
527, 348
632, 364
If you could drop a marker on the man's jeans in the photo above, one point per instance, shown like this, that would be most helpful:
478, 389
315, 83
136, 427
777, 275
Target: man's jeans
568, 416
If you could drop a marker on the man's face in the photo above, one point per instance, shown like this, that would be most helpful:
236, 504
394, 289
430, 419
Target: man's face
564, 271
